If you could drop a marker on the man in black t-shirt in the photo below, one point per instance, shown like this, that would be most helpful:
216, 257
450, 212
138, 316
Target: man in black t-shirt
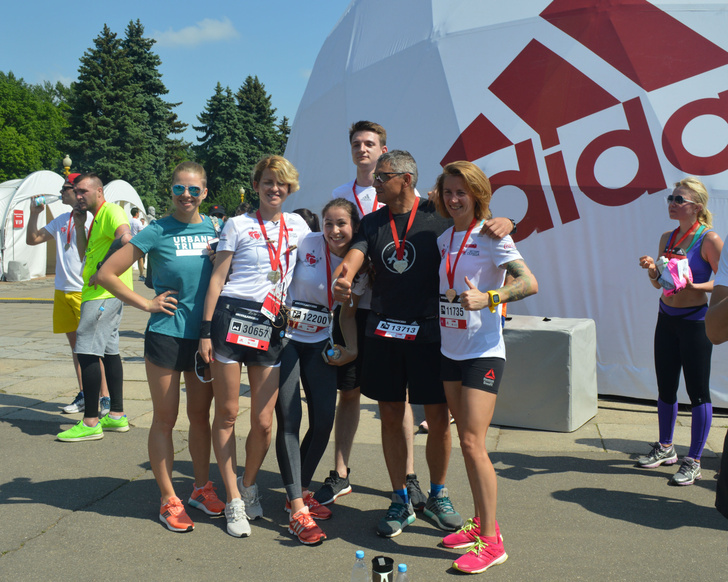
402, 344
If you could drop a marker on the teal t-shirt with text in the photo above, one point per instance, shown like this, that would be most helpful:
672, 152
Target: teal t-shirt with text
177, 253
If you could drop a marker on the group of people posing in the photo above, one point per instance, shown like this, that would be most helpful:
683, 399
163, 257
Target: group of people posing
399, 298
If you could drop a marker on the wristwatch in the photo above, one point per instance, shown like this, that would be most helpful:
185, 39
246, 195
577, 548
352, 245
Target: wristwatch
494, 300
515, 226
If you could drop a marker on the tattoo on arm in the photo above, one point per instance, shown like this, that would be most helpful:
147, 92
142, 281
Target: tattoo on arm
522, 284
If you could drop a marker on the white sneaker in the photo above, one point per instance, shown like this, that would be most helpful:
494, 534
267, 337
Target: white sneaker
237, 522
253, 508
76, 406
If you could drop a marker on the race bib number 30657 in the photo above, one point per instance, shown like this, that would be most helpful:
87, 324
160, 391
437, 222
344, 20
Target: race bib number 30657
249, 329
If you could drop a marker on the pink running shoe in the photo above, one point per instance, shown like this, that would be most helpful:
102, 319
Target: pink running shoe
465, 537
316, 510
483, 554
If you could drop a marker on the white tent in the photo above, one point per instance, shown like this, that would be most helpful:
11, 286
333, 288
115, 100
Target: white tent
15, 208
582, 112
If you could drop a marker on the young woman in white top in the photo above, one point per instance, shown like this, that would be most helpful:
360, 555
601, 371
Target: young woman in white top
306, 357
243, 323
472, 288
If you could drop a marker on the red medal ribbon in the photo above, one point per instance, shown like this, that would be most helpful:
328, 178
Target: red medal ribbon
671, 245
328, 275
451, 273
399, 245
68, 229
273, 252
358, 203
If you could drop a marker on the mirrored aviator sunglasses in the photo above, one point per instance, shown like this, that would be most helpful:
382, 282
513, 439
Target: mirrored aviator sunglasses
179, 189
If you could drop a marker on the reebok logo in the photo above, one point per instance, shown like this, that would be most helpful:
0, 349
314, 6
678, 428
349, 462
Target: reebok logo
489, 378
640, 82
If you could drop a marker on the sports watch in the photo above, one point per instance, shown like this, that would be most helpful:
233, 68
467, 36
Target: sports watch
494, 300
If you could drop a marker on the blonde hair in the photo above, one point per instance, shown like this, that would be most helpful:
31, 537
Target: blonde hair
477, 183
283, 170
700, 196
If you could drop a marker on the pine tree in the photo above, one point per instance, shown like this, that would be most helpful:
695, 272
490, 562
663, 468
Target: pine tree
161, 121
221, 149
258, 118
106, 133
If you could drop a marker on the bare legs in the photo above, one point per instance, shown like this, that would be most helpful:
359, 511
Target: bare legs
164, 386
473, 411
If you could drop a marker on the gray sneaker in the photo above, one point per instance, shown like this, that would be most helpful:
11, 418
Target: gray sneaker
78, 405
253, 508
398, 517
414, 491
658, 456
237, 522
104, 406
688, 473
441, 510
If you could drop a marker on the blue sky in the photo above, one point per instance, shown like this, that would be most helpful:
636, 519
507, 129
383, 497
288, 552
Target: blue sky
200, 43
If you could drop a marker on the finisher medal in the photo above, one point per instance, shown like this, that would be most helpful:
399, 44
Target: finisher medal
274, 277
400, 266
451, 294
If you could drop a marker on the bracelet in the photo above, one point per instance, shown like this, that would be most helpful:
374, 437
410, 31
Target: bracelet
651, 277
515, 226
205, 329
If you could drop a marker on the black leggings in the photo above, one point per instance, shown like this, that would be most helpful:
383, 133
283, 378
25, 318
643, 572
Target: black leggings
303, 360
91, 380
682, 343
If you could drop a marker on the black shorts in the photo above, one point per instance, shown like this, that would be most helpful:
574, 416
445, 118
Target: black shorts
224, 310
171, 353
479, 373
348, 376
391, 366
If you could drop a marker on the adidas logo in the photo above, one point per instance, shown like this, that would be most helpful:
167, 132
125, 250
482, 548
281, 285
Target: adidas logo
661, 114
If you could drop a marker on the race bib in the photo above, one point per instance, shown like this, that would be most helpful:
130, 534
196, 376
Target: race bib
308, 317
452, 315
392, 328
249, 328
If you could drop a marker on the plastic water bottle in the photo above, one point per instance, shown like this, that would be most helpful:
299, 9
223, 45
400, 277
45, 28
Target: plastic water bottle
402, 575
360, 572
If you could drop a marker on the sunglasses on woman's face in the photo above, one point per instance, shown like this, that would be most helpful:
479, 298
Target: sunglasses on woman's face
179, 189
677, 199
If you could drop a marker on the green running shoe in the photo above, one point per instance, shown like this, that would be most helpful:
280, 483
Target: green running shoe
114, 424
81, 432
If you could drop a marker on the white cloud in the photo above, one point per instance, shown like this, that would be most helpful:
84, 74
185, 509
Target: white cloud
205, 31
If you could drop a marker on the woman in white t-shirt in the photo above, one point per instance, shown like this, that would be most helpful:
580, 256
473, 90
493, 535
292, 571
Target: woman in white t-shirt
310, 355
243, 323
472, 276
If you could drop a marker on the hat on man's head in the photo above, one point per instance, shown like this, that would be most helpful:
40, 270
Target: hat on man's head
71, 178
217, 211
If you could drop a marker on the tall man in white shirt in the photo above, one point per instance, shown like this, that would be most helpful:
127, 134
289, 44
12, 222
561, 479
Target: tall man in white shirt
368, 141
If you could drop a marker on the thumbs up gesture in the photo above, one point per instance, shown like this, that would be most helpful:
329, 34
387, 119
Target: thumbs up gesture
342, 286
473, 299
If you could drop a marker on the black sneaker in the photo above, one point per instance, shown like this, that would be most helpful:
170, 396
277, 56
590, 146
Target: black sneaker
333, 488
418, 499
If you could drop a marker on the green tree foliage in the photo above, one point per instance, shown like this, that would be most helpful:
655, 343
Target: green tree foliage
120, 126
32, 118
236, 132
161, 122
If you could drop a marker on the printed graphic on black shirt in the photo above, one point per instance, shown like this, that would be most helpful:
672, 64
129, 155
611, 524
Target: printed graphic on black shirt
390, 261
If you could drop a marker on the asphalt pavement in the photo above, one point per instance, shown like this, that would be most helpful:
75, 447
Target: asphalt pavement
571, 506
